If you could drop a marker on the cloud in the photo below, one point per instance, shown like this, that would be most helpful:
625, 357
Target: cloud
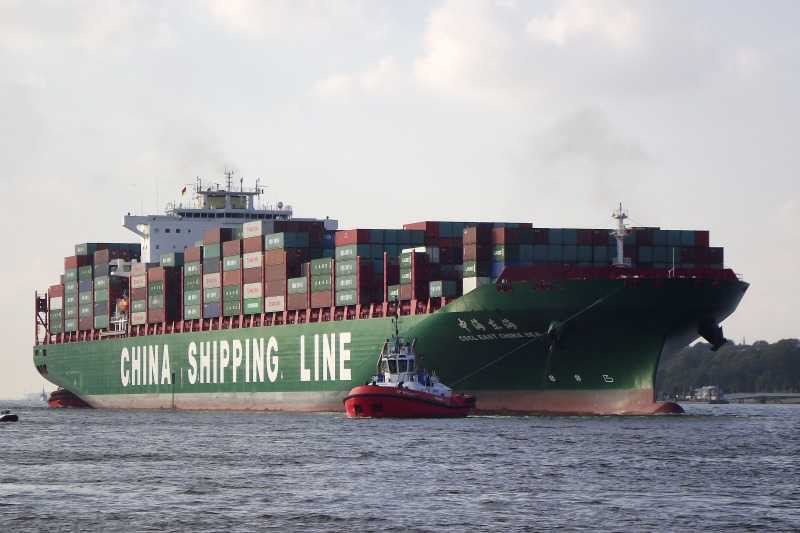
610, 21
32, 80
97, 28
383, 78
514, 54
255, 18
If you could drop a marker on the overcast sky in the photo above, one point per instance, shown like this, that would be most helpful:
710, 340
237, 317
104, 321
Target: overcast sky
384, 113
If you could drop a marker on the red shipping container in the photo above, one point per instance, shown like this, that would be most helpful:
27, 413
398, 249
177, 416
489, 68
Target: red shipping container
352, 236
477, 234
252, 244
297, 301
701, 238
272, 272
56, 291
275, 287
321, 299
505, 236
715, 255
104, 256
701, 254
644, 236
431, 229
584, 237
274, 257
195, 253
139, 294
231, 248
85, 323
231, 277
477, 252
166, 274
541, 235
216, 235
631, 252
687, 254
251, 275
599, 237
76, 261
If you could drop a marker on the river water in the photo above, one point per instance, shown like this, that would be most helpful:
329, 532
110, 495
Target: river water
718, 467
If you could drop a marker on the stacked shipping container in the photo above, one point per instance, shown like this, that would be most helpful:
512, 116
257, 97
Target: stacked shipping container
272, 266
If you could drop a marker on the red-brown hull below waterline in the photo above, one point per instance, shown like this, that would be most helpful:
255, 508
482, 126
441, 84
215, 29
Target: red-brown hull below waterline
380, 402
571, 402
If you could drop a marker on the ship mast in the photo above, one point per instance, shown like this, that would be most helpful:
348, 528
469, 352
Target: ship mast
620, 233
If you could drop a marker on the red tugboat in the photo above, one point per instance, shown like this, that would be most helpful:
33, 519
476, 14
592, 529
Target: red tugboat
402, 388
65, 398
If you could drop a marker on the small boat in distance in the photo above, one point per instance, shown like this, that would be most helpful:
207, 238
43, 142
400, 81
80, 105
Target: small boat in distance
402, 388
8, 416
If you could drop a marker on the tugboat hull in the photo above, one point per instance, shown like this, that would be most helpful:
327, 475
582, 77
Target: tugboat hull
372, 401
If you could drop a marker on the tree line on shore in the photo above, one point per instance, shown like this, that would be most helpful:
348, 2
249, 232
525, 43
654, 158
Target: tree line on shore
760, 367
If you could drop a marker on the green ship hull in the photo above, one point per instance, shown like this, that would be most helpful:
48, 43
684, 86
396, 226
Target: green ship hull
563, 346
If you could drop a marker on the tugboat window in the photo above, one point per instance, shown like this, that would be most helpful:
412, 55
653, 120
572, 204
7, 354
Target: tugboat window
393, 366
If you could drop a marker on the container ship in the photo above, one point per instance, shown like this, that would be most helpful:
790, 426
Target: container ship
226, 303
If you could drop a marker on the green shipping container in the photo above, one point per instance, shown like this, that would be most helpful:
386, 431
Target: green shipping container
190, 312
479, 269
85, 272
447, 288
70, 287
252, 306
393, 292
174, 259
85, 311
321, 267
101, 295
137, 306
231, 308
191, 298
155, 301
101, 322
231, 293
321, 283
231, 262
297, 285
71, 324
84, 298
192, 283
191, 269
70, 312
346, 283
351, 297
211, 251
211, 295
155, 288
352, 251
71, 274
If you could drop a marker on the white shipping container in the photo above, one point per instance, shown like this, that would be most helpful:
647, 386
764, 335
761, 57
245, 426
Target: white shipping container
257, 228
474, 283
138, 269
252, 260
212, 281
138, 318
273, 304
56, 302
138, 282
252, 290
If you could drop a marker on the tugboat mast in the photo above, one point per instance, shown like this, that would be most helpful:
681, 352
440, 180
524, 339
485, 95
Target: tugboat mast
620, 233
